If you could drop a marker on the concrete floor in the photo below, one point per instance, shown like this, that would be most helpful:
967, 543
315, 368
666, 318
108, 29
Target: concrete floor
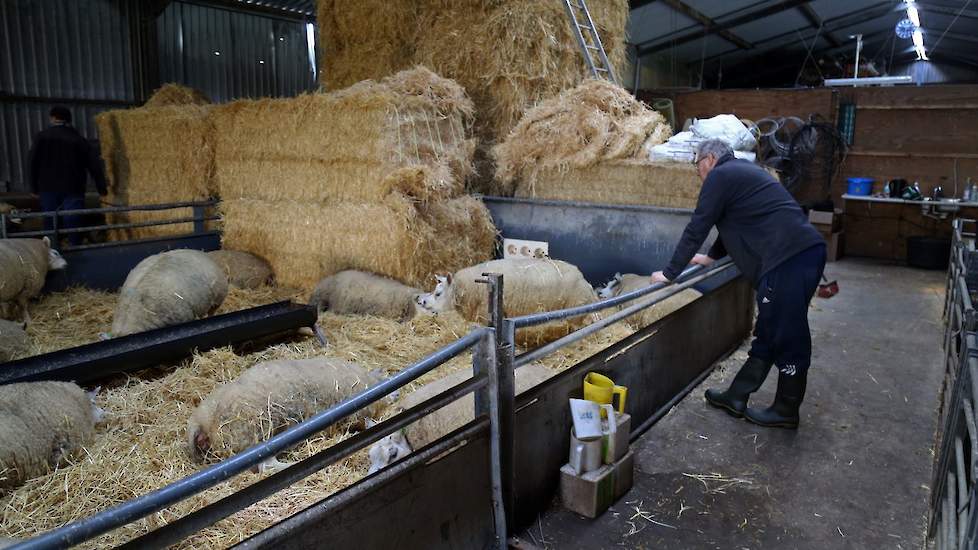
855, 475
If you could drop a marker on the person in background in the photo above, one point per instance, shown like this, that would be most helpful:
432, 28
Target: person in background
60, 161
770, 240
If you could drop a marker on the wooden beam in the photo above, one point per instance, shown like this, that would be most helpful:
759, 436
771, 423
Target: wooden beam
649, 46
945, 10
708, 23
816, 21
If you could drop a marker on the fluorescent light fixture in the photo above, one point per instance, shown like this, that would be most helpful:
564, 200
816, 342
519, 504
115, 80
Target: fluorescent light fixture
869, 81
918, 35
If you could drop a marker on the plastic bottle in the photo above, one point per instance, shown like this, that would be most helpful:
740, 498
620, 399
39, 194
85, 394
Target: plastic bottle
966, 196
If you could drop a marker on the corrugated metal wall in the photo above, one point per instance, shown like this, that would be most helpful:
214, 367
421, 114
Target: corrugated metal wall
229, 55
73, 52
89, 56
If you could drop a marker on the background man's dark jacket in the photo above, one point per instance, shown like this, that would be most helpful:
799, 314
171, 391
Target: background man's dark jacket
60, 161
760, 223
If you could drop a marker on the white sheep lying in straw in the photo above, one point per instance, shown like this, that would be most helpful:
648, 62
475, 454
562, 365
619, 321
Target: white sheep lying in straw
630, 282
24, 265
269, 397
42, 424
167, 289
361, 293
243, 270
446, 419
529, 286
14, 342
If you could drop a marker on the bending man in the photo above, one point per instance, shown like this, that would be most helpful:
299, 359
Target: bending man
768, 236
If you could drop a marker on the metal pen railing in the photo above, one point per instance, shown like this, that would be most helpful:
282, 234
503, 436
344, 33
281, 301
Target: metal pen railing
953, 521
199, 219
493, 382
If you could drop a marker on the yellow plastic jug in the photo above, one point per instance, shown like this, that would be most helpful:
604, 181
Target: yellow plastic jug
602, 390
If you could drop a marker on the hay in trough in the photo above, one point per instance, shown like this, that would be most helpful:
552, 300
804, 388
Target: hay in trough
305, 242
153, 156
667, 184
405, 134
175, 94
594, 122
143, 445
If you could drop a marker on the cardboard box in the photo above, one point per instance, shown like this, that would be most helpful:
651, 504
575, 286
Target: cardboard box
592, 493
826, 222
614, 446
835, 244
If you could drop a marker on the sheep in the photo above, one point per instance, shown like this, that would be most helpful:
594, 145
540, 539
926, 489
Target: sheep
269, 397
14, 342
362, 293
244, 270
630, 282
446, 419
24, 265
42, 424
529, 286
169, 288
8, 542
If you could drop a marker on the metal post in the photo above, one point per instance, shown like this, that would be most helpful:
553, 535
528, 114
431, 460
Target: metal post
199, 219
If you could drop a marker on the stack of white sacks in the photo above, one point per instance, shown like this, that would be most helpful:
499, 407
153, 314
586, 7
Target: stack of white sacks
682, 146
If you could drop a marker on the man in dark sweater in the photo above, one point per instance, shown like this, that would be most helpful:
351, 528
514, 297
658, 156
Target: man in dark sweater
60, 162
768, 236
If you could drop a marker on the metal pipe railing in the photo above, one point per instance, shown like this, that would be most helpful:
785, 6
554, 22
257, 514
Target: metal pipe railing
548, 316
107, 227
111, 209
590, 329
202, 480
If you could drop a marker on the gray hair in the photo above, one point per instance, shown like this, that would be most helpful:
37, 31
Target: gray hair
715, 147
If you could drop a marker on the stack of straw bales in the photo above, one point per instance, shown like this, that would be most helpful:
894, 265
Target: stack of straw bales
366, 178
589, 144
155, 154
508, 54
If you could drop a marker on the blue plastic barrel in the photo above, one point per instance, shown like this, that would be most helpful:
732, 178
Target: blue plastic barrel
860, 186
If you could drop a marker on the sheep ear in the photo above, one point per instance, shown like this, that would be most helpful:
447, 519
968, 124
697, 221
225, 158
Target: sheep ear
448, 278
47, 241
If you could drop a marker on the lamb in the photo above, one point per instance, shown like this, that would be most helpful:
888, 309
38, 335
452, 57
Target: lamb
446, 419
244, 270
169, 288
530, 286
631, 282
24, 265
42, 424
360, 293
269, 397
14, 342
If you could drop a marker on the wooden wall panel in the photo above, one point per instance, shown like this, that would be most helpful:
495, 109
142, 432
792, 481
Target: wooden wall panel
880, 230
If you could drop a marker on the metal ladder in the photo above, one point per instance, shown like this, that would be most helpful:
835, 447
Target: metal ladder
584, 27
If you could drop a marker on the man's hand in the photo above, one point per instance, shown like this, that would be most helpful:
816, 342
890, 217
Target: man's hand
658, 277
702, 259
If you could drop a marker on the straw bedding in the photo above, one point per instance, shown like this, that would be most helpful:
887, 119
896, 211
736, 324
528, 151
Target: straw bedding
668, 184
143, 444
156, 155
508, 54
591, 123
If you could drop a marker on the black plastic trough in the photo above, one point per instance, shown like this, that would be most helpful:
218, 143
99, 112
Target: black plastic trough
92, 362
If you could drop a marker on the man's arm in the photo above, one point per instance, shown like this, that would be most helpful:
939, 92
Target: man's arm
709, 208
95, 168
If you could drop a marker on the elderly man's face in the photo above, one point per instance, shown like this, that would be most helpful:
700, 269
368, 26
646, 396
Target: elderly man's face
704, 165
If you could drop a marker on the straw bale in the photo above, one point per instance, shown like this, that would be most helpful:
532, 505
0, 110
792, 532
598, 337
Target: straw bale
305, 242
143, 445
593, 122
175, 94
667, 184
405, 134
156, 155
244, 270
531, 286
